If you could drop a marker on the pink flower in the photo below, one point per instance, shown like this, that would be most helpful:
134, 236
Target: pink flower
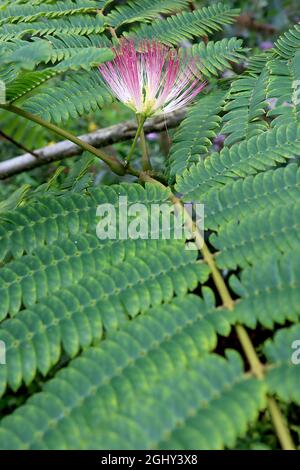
152, 78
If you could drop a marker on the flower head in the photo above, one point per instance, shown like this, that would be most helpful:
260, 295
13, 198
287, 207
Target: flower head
151, 78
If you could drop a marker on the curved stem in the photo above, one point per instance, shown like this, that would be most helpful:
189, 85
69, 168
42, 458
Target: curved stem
146, 165
141, 119
115, 165
256, 366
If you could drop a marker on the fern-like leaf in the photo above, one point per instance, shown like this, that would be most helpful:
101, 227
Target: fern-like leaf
187, 25
283, 376
215, 57
262, 234
194, 135
77, 316
269, 292
255, 155
48, 219
31, 278
245, 108
283, 83
288, 43
78, 24
236, 200
82, 93
210, 391
145, 11
29, 13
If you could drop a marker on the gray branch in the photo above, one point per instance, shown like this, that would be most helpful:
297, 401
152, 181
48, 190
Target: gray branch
100, 138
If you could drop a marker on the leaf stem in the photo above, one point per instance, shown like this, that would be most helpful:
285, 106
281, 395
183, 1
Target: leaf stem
280, 425
115, 165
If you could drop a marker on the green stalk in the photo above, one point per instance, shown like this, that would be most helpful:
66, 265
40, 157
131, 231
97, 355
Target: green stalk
146, 165
141, 119
115, 165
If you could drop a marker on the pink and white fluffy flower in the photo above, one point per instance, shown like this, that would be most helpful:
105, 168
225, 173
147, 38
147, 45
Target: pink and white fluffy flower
152, 78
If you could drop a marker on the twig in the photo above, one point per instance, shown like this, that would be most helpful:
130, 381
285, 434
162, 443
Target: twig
248, 22
18, 144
